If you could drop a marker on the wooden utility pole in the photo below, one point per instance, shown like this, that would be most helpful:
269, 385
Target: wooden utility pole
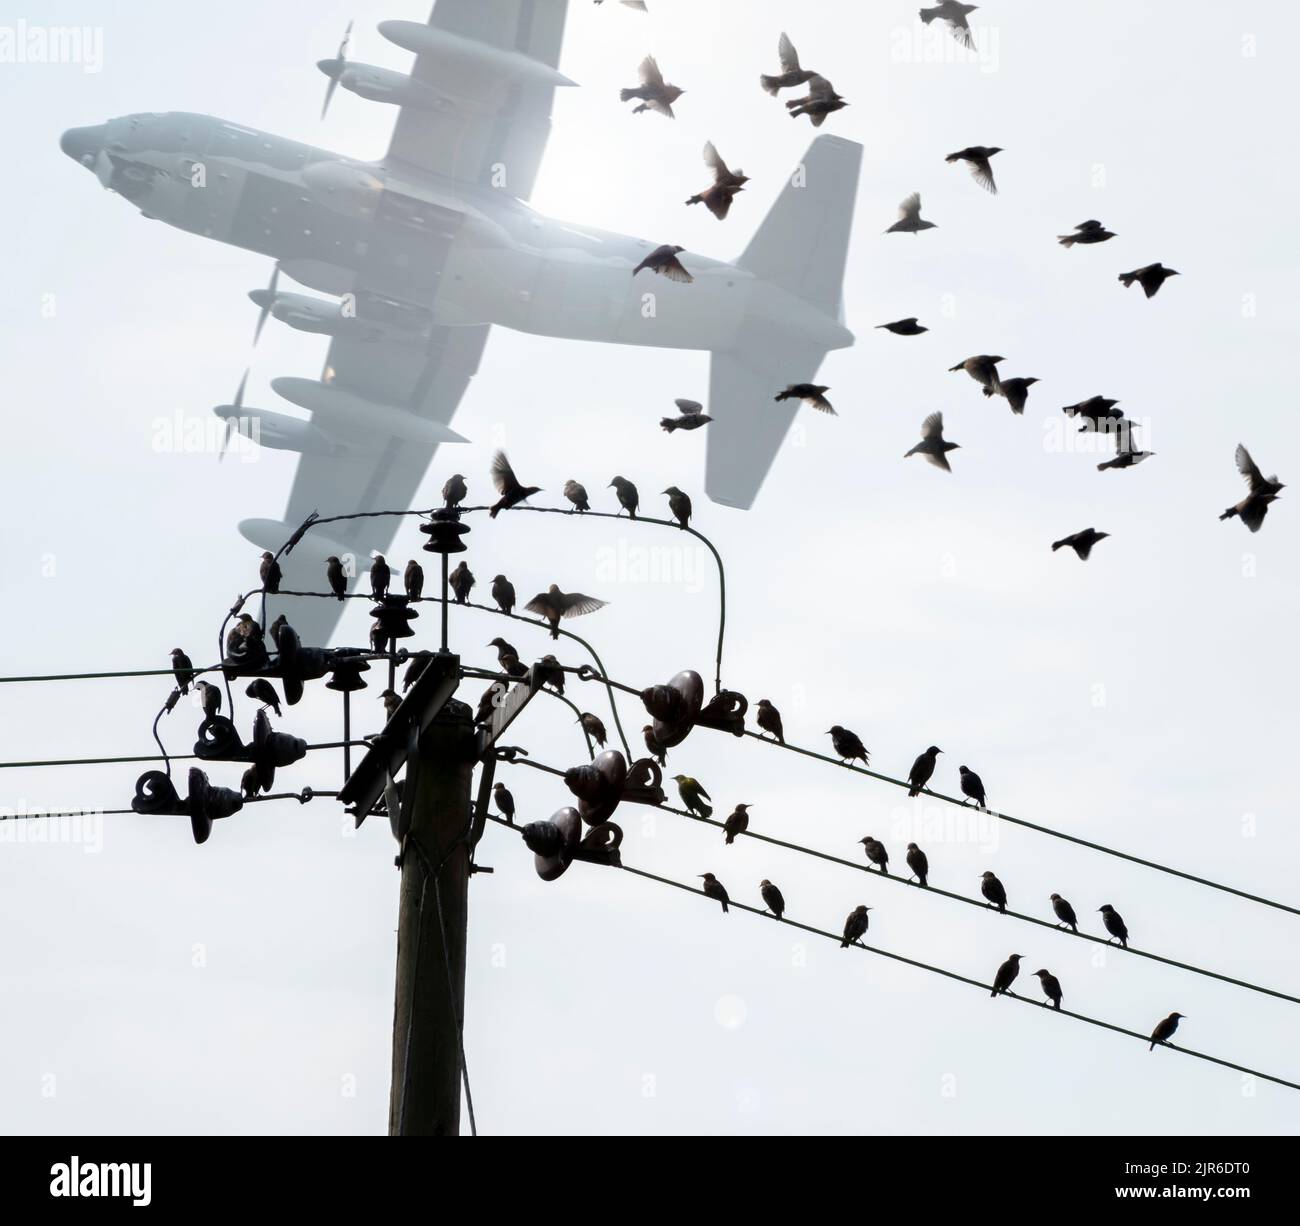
429, 1005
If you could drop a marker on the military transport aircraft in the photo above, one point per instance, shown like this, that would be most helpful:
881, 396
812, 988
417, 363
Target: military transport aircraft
422, 251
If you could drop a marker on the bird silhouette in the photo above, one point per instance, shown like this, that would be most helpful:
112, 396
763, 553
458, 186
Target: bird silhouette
1165, 1029
953, 15
993, 890
1051, 986
461, 581
715, 890
1016, 391
1263, 490
1081, 542
1086, 232
505, 802
972, 786
933, 445
910, 220
663, 260
593, 727
904, 327
508, 657
1006, 975
693, 795
768, 719
653, 747
820, 101
654, 93
692, 417
454, 491
737, 823
983, 368
209, 698
922, 769
336, 576
876, 853
726, 183
1150, 278
773, 899
553, 605
576, 493
977, 158
628, 498
847, 745
182, 670
1114, 924
918, 862
511, 490
261, 690
792, 73
380, 575
855, 927
270, 573
680, 505
503, 592
1064, 913
811, 394
413, 580
392, 700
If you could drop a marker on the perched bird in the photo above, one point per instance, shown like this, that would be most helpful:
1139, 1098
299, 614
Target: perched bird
1006, 975
209, 698
261, 690
278, 627
1051, 986
379, 577
726, 183
773, 899
1114, 924
593, 727
716, 890
378, 637
680, 505
1016, 391
847, 745
855, 927
933, 445
392, 700
270, 573
876, 853
1263, 490
692, 417
628, 498
654, 93
576, 493
919, 864
415, 666
653, 747
954, 15
461, 580
811, 394
334, 573
1150, 278
972, 786
1081, 542
693, 795
1086, 232
182, 670
249, 783
1064, 913
993, 890
1165, 1029
983, 368
791, 72
239, 635
977, 158
736, 823
1126, 453
454, 491
664, 261
503, 592
413, 580
492, 697
768, 719
549, 671
820, 101
909, 217
505, 802
508, 657
510, 488
904, 327
922, 769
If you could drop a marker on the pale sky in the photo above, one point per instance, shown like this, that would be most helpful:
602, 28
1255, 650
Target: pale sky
1139, 699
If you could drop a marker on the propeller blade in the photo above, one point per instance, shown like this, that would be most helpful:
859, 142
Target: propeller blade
225, 440
329, 93
342, 58
347, 40
268, 304
238, 401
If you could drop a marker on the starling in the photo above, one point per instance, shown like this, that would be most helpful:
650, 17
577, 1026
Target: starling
261, 690
1064, 913
1114, 924
773, 899
904, 327
791, 73
461, 581
1006, 975
855, 927
1165, 1029
576, 494
993, 890
716, 890
413, 580
182, 670
1096, 412
768, 719
919, 864
655, 749
654, 93
237, 636
593, 727
933, 445
209, 697
736, 823
680, 505
847, 745
508, 658
504, 801
453, 493
628, 498
278, 627
1016, 391
270, 573
379, 577
554, 604
692, 417
876, 853
922, 769
249, 783
492, 697
378, 637
1086, 232
503, 592
1263, 490
820, 101
972, 786
726, 183
1051, 986
953, 14
811, 394
693, 795
391, 702
549, 671
664, 261
1150, 278
508, 486
909, 217
416, 665
338, 581
983, 368
1081, 542
977, 158
1127, 454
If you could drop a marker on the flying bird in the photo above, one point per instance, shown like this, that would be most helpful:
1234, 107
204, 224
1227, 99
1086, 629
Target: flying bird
983, 368
792, 73
334, 573
855, 927
663, 260
270, 573
1127, 453
716, 890
505, 802
922, 769
261, 690
1165, 1029
692, 417
1081, 542
1263, 490
977, 158
773, 899
811, 394
653, 747
693, 795
1051, 986
933, 445
1097, 412
726, 183
628, 498
1086, 232
654, 93
909, 217
1064, 913
182, 670
510, 488
768, 719
380, 575
413, 580
876, 853
576, 493
994, 891
847, 745
593, 727
503, 592
972, 786
1114, 924
919, 864
1015, 390
461, 580
904, 327
1006, 975
1150, 278
954, 15
680, 505
737, 823
820, 101
454, 491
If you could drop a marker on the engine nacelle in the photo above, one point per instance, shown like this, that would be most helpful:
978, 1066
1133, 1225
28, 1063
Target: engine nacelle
316, 315
278, 431
424, 39
384, 85
369, 415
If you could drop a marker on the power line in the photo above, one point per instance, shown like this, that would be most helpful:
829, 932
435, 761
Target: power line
305, 796
151, 757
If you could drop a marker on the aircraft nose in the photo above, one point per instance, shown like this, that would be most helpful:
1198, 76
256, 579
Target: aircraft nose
83, 144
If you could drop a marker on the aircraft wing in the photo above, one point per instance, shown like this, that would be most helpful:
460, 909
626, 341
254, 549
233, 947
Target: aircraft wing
495, 63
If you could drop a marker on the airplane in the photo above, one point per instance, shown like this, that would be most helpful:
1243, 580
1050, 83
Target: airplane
419, 253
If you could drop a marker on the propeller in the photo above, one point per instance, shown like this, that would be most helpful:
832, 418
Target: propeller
237, 404
266, 300
340, 61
